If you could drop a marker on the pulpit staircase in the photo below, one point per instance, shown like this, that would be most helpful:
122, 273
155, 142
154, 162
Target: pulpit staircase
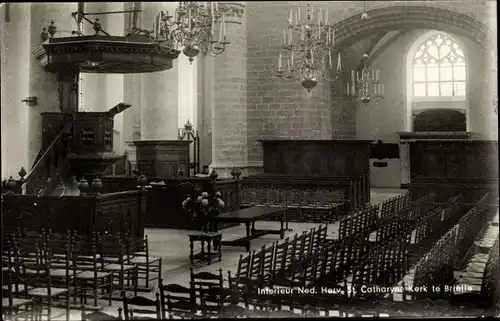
50, 170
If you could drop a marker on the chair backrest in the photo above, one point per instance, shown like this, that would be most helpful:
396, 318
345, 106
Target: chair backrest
213, 299
268, 260
7, 284
177, 300
280, 256
139, 307
257, 263
205, 280
307, 241
243, 266
42, 276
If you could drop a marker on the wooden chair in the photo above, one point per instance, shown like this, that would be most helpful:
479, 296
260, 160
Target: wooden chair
147, 265
256, 265
266, 272
11, 262
139, 307
221, 302
100, 316
178, 301
90, 275
113, 256
13, 307
240, 280
306, 244
205, 280
38, 284
58, 245
281, 252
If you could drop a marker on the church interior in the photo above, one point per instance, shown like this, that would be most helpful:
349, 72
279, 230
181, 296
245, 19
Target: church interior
249, 159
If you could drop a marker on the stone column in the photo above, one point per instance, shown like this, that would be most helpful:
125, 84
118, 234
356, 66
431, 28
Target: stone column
159, 106
132, 93
114, 24
404, 154
15, 72
205, 104
44, 85
481, 91
229, 109
94, 86
159, 152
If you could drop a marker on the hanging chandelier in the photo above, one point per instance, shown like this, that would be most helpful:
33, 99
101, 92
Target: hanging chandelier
308, 46
191, 28
365, 83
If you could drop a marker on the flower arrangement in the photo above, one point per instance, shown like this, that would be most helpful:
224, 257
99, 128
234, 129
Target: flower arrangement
203, 207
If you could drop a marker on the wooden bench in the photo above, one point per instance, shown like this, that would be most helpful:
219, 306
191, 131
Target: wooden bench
211, 238
249, 216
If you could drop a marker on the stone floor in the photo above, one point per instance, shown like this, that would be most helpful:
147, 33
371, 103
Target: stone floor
173, 247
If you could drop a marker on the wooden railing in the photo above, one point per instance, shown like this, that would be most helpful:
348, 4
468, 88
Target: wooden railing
165, 196
121, 212
49, 170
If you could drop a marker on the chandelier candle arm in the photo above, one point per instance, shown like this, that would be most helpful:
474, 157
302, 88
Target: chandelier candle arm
310, 49
224, 26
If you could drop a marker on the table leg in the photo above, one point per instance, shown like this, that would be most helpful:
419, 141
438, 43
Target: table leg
282, 231
209, 250
191, 255
202, 248
253, 228
219, 239
247, 225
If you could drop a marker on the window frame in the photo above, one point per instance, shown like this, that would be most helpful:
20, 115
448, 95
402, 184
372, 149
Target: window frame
438, 65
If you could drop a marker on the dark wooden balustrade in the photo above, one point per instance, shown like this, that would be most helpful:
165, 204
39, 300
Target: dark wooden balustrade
106, 213
164, 198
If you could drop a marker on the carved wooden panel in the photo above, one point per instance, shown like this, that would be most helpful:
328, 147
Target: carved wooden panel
466, 159
316, 157
162, 158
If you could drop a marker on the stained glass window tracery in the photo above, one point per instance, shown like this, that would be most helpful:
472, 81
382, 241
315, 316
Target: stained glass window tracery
439, 68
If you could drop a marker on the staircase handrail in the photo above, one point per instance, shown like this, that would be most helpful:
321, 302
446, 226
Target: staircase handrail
32, 175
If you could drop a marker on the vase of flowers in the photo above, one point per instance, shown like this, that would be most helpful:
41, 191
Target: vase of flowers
204, 208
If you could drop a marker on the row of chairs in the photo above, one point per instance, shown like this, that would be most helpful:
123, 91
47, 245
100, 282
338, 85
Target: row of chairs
129, 250
205, 297
263, 266
48, 266
394, 205
361, 220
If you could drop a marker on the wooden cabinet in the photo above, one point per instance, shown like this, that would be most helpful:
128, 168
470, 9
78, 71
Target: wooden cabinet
162, 158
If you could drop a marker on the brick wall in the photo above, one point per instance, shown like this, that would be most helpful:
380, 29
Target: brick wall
229, 129
279, 110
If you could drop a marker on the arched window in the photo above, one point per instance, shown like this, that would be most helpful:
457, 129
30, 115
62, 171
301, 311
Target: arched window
439, 68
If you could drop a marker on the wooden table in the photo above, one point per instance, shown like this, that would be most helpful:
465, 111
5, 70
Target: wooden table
207, 237
249, 216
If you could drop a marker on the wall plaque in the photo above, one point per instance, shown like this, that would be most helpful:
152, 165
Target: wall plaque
88, 136
108, 136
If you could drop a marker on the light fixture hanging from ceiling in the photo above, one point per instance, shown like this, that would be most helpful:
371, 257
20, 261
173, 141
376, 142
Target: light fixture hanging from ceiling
308, 45
365, 83
191, 28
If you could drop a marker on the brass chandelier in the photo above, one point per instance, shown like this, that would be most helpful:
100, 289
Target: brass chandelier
191, 28
365, 83
308, 45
